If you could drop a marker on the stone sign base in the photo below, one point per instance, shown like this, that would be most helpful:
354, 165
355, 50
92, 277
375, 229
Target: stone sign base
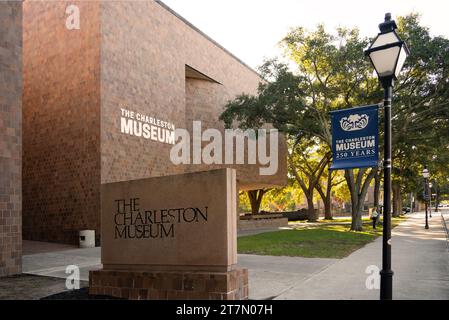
152, 285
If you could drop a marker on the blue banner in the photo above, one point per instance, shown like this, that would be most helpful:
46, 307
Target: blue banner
355, 137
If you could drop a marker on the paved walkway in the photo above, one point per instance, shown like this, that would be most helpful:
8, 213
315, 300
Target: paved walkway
420, 262
270, 277
31, 287
54, 263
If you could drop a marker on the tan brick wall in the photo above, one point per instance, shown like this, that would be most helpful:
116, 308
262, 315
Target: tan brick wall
10, 137
145, 49
61, 122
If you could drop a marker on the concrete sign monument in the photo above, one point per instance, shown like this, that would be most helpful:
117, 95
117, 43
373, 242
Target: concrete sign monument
171, 237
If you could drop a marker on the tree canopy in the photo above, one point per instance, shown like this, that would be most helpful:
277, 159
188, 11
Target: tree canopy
328, 71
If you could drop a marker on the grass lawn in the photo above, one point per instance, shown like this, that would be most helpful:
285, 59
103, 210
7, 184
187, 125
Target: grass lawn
321, 241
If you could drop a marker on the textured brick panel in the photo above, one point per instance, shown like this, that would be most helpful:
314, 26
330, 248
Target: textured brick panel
61, 122
231, 285
145, 49
10, 137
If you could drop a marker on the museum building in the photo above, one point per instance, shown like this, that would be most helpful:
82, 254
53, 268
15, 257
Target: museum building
67, 95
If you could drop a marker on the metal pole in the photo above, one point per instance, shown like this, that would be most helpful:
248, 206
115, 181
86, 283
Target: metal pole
426, 193
386, 275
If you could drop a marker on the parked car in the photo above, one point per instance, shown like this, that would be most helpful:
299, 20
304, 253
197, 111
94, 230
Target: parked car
406, 210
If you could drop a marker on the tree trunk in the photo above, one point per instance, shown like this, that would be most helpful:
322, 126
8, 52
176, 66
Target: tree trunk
311, 208
309, 183
255, 198
356, 211
327, 202
328, 199
400, 203
396, 188
358, 189
437, 199
328, 210
377, 179
395, 201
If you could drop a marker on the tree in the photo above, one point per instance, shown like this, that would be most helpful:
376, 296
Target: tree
339, 77
307, 165
255, 198
332, 181
358, 185
332, 73
421, 108
281, 101
283, 199
377, 181
272, 200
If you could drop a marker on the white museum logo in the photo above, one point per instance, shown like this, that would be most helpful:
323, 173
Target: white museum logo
140, 125
354, 122
210, 146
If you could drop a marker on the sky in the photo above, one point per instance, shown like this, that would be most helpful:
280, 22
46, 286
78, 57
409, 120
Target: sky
251, 29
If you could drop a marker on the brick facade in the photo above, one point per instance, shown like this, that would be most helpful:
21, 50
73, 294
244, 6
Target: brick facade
10, 137
232, 285
61, 122
127, 54
145, 49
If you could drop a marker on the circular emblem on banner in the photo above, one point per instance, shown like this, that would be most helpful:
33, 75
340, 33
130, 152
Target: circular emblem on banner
354, 122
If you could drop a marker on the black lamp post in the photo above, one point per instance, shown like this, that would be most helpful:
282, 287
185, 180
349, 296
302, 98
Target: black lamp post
387, 54
430, 199
426, 174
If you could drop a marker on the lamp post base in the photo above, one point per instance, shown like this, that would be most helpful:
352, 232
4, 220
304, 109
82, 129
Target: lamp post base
386, 285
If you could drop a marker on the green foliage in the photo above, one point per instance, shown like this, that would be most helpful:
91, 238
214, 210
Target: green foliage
421, 107
332, 73
275, 200
244, 204
336, 73
283, 199
340, 191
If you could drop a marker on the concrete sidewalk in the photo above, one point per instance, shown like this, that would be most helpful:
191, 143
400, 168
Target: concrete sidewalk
54, 263
270, 277
420, 261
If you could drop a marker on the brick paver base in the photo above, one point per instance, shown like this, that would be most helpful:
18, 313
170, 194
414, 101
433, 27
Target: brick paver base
231, 285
